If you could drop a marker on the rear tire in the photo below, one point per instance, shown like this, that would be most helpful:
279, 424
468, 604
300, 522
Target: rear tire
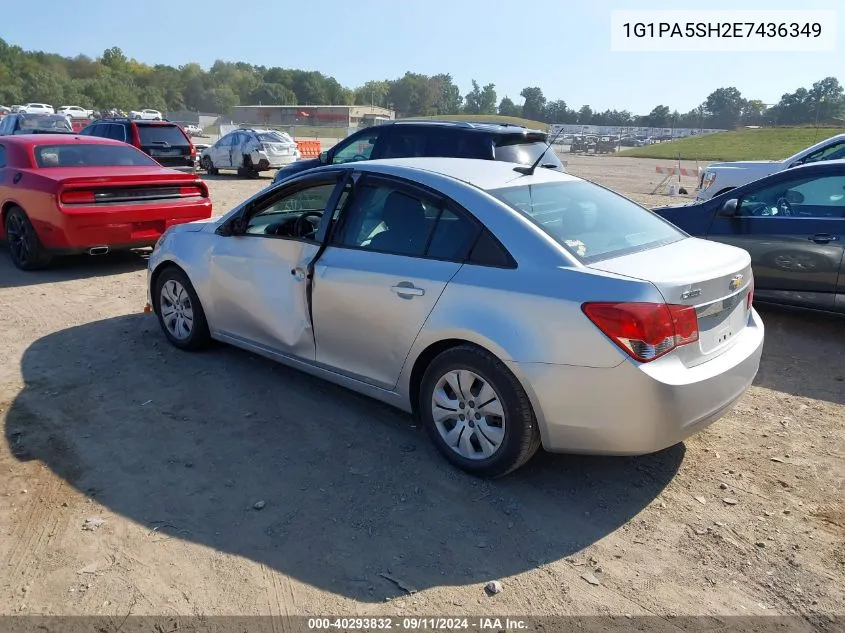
25, 249
179, 311
500, 420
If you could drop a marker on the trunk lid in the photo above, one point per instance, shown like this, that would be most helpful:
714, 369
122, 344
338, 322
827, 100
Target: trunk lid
714, 278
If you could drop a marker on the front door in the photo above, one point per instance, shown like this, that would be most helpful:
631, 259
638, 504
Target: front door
258, 277
393, 251
794, 231
221, 152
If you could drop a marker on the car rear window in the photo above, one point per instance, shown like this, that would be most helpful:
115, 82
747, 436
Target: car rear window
590, 222
274, 137
53, 122
525, 152
161, 135
91, 155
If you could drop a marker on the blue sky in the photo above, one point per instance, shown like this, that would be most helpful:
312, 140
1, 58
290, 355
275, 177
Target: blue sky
563, 46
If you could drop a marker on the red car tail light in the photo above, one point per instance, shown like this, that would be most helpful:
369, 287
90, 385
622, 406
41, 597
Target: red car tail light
645, 331
77, 196
750, 297
191, 191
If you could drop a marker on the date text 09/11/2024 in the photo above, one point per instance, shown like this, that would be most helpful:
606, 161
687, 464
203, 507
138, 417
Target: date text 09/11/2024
722, 29
417, 624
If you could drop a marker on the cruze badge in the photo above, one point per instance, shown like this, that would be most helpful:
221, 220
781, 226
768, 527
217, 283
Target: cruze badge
736, 282
692, 292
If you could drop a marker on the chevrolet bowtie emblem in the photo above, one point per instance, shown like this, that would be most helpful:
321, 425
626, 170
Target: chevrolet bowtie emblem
736, 282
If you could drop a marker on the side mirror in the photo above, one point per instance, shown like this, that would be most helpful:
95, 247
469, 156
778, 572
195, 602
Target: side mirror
235, 226
238, 225
729, 208
324, 158
794, 197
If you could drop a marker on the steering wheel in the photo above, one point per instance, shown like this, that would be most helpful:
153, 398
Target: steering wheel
358, 157
784, 208
299, 227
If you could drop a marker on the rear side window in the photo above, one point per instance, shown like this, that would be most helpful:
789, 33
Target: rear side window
590, 222
162, 135
519, 150
91, 155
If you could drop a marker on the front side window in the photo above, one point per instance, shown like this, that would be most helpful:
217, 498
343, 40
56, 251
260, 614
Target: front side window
360, 148
91, 155
810, 197
292, 215
590, 222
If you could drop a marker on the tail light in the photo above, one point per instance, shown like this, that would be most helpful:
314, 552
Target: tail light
77, 197
645, 331
191, 191
750, 298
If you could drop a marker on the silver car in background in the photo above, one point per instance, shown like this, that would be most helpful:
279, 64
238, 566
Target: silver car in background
506, 309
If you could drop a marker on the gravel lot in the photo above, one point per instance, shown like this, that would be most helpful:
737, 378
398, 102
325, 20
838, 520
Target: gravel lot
131, 474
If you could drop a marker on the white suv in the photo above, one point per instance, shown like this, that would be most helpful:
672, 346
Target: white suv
146, 115
75, 112
38, 108
250, 151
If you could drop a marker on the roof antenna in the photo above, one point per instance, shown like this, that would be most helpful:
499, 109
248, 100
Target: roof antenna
529, 171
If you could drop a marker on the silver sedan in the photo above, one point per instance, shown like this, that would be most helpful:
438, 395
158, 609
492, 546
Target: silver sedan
508, 310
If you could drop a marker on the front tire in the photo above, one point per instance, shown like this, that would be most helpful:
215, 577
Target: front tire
179, 311
476, 412
25, 249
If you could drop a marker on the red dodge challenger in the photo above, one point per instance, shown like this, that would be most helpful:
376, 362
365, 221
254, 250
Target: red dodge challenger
63, 194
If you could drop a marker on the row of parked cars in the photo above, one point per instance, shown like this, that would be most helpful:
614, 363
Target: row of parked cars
453, 270
74, 111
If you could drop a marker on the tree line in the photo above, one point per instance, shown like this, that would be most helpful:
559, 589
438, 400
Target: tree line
115, 81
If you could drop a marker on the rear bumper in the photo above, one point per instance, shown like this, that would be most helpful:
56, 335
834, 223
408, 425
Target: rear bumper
635, 409
80, 231
272, 161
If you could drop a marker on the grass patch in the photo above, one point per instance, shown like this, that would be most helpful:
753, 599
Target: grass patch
763, 144
489, 118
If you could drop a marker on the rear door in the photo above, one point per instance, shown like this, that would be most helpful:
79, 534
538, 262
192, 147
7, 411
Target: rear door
794, 230
394, 250
166, 143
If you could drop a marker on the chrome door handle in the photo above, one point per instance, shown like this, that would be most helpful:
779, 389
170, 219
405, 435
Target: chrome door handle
409, 290
823, 238
298, 273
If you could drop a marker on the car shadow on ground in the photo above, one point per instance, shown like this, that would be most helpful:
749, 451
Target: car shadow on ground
71, 267
803, 354
189, 443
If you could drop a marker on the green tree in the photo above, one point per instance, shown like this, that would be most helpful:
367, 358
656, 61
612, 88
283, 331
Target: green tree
534, 106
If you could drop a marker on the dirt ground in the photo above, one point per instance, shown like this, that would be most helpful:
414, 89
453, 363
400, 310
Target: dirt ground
137, 479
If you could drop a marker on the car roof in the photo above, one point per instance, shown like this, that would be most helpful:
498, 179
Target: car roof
494, 127
58, 139
481, 173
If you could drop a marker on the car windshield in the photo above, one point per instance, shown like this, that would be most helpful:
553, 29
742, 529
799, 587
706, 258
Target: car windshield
525, 152
161, 135
54, 122
590, 222
91, 155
